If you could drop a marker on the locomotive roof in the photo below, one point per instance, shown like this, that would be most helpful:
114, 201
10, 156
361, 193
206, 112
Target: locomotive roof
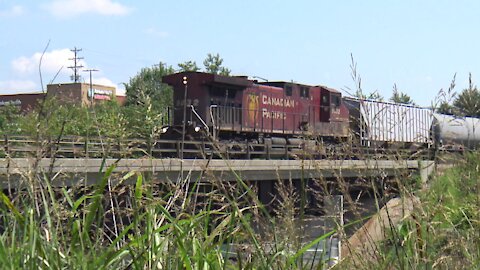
283, 83
231, 81
329, 89
206, 78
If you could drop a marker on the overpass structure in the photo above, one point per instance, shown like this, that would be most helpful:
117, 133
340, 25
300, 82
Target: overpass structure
73, 171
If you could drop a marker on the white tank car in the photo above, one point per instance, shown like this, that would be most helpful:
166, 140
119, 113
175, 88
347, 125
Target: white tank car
456, 133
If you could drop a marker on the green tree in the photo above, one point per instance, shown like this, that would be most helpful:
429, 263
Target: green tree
55, 120
110, 121
148, 84
400, 97
188, 66
371, 96
213, 64
143, 121
375, 96
445, 108
468, 101
46, 120
443, 100
9, 117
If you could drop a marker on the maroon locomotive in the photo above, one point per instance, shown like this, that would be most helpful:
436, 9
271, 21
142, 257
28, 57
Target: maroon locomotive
239, 109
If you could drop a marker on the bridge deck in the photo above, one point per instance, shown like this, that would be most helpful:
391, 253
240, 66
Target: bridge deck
71, 171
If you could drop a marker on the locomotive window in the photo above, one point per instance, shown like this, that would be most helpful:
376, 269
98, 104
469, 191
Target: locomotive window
305, 92
324, 99
222, 92
288, 90
336, 101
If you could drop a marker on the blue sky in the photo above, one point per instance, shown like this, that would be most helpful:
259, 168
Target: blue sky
417, 45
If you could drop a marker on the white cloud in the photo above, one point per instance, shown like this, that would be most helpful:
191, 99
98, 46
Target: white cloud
14, 11
11, 87
25, 67
51, 63
23, 64
103, 81
156, 33
70, 8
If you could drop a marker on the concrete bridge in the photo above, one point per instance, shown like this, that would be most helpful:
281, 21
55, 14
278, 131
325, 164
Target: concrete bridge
70, 172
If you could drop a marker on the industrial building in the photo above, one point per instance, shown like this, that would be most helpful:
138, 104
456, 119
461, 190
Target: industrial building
82, 94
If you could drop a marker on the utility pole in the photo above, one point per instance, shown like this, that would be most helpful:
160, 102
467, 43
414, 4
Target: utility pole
75, 77
91, 85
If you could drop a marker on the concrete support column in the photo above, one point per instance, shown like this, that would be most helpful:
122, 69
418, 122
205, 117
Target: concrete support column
426, 168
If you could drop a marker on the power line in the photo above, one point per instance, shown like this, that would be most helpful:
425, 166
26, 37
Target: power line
76, 76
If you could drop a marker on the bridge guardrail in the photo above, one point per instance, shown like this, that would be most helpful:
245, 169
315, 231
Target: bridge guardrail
95, 147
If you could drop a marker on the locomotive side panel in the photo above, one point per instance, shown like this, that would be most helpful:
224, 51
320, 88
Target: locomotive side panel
267, 109
279, 113
251, 110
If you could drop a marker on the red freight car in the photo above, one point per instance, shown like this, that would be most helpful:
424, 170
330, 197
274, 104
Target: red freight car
236, 108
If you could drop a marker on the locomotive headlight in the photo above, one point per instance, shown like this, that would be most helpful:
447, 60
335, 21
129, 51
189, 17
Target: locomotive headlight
197, 129
164, 129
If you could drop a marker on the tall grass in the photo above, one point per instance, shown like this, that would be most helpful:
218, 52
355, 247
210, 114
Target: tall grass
442, 231
178, 225
222, 225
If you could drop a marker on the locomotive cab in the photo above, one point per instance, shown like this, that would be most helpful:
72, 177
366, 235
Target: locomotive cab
332, 107
333, 114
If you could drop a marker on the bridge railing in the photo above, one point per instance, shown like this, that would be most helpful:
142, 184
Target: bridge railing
93, 147
96, 147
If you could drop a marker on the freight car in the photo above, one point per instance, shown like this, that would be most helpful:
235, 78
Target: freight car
455, 133
379, 124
